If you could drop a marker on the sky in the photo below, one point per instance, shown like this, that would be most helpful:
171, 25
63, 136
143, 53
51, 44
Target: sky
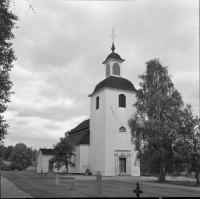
60, 47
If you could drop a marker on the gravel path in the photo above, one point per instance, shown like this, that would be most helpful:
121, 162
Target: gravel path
9, 190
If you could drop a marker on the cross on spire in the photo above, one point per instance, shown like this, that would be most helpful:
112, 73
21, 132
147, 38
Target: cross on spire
113, 34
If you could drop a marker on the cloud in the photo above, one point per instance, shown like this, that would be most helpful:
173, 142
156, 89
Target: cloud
61, 47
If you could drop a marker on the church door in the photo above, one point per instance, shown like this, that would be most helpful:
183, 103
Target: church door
50, 166
122, 165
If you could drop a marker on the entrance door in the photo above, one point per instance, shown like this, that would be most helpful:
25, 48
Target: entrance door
50, 166
122, 165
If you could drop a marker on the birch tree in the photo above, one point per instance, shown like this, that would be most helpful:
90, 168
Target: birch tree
156, 125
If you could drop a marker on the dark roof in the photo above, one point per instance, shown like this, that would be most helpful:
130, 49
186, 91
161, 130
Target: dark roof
81, 137
47, 151
114, 55
114, 82
84, 125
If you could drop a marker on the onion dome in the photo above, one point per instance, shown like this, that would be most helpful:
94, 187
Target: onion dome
113, 55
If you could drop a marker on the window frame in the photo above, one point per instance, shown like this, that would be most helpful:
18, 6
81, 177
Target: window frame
97, 102
122, 101
116, 68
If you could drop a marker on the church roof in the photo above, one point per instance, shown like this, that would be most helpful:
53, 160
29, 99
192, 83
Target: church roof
81, 137
83, 125
113, 55
114, 82
47, 151
81, 133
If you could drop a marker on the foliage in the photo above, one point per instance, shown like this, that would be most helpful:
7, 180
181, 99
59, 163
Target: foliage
63, 152
6, 151
21, 156
193, 146
4, 167
157, 125
7, 23
88, 170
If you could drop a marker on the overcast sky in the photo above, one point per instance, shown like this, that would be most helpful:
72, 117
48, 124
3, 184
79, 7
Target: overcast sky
61, 47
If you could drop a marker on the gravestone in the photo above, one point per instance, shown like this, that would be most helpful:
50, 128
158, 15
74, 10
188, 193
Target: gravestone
137, 191
72, 185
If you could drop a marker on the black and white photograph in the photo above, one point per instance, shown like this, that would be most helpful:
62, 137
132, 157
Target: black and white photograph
99, 98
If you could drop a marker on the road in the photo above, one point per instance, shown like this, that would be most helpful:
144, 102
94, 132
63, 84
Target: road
9, 190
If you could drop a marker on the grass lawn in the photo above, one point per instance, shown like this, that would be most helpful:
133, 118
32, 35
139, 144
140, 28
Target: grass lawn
46, 188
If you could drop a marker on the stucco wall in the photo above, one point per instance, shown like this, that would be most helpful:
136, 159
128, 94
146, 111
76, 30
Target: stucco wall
45, 160
105, 137
81, 159
97, 135
116, 140
43, 163
84, 157
39, 162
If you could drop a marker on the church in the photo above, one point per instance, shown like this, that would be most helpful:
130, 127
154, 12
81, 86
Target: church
103, 142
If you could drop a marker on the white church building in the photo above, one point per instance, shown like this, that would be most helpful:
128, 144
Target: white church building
104, 141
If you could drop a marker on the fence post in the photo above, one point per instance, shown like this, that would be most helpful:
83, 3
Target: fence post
41, 174
99, 183
72, 185
57, 179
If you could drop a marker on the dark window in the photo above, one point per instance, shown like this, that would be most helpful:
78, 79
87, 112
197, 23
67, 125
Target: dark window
122, 129
122, 100
107, 70
97, 102
116, 69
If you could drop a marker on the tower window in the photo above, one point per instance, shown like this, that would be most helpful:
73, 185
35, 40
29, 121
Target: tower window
122, 129
107, 70
97, 102
122, 100
116, 69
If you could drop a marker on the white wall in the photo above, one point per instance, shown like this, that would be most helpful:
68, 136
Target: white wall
84, 157
81, 159
116, 140
97, 133
39, 162
105, 137
43, 162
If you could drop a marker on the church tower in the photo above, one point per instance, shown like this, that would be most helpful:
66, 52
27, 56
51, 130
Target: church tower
111, 150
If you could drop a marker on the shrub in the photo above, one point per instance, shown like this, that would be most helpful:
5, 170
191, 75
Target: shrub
4, 167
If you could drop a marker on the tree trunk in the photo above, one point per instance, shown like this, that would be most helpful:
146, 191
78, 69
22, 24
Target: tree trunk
197, 173
162, 171
197, 178
66, 165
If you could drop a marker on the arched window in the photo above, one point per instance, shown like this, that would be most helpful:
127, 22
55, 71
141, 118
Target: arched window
116, 69
122, 100
107, 70
122, 129
97, 102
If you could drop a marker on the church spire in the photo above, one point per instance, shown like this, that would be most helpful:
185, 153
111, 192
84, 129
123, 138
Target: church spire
113, 36
113, 47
